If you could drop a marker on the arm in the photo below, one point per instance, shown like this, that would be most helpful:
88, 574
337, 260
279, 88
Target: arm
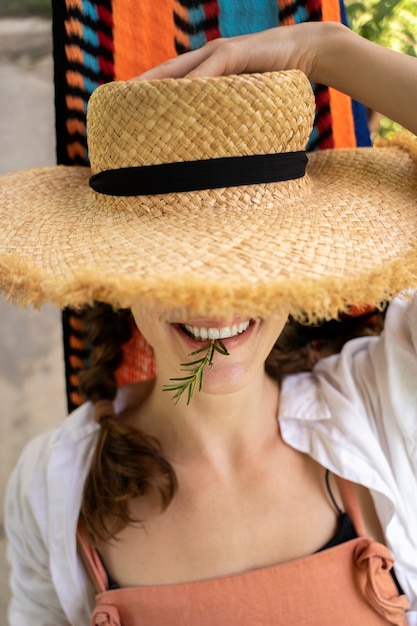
327, 52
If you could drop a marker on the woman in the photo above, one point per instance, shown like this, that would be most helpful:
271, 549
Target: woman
173, 500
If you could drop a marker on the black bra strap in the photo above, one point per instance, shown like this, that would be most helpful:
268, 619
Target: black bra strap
329, 491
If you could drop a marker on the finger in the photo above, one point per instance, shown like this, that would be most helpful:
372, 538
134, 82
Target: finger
177, 67
228, 56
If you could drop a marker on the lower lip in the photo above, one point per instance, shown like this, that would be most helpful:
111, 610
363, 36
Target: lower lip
229, 342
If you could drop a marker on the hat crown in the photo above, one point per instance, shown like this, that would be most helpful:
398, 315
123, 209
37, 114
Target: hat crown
139, 123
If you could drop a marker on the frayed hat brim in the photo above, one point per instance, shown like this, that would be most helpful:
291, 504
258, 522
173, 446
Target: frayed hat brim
344, 234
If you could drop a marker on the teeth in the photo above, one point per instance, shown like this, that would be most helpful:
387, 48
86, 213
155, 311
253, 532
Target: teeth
217, 333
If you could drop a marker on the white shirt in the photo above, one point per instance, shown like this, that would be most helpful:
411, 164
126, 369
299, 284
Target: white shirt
356, 415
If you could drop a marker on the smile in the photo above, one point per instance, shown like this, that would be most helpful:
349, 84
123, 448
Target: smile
217, 333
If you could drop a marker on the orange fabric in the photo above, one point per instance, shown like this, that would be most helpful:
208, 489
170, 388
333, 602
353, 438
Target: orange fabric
138, 361
330, 11
289, 19
74, 54
91, 561
343, 131
153, 37
75, 79
77, 323
74, 27
75, 126
181, 35
76, 398
340, 104
77, 362
344, 585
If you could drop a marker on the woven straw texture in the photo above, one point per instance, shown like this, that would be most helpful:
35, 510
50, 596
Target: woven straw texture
344, 233
184, 120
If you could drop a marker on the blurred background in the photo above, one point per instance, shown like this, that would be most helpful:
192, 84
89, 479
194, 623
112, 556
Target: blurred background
32, 382
390, 23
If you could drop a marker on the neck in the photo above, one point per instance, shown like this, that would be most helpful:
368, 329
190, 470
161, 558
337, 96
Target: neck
212, 426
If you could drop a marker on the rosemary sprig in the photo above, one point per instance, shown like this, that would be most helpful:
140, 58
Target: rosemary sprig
195, 370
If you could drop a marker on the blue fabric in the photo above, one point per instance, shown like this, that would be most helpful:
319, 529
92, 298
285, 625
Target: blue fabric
258, 15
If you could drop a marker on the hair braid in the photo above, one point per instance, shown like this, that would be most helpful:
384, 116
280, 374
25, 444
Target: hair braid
126, 463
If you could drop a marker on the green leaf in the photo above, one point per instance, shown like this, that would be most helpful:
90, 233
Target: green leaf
195, 378
206, 347
220, 347
192, 362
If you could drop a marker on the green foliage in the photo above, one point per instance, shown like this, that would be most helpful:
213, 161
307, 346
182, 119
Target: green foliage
390, 23
194, 370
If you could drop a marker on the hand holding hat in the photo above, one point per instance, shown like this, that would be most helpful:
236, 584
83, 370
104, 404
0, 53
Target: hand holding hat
327, 52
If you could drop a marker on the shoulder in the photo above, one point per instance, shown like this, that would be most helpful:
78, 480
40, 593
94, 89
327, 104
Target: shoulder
370, 384
56, 462
76, 430
50, 461
371, 389
41, 512
378, 372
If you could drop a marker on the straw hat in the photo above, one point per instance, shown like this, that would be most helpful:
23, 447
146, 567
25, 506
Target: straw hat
200, 200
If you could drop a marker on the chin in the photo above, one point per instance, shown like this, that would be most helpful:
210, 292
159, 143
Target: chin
227, 378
